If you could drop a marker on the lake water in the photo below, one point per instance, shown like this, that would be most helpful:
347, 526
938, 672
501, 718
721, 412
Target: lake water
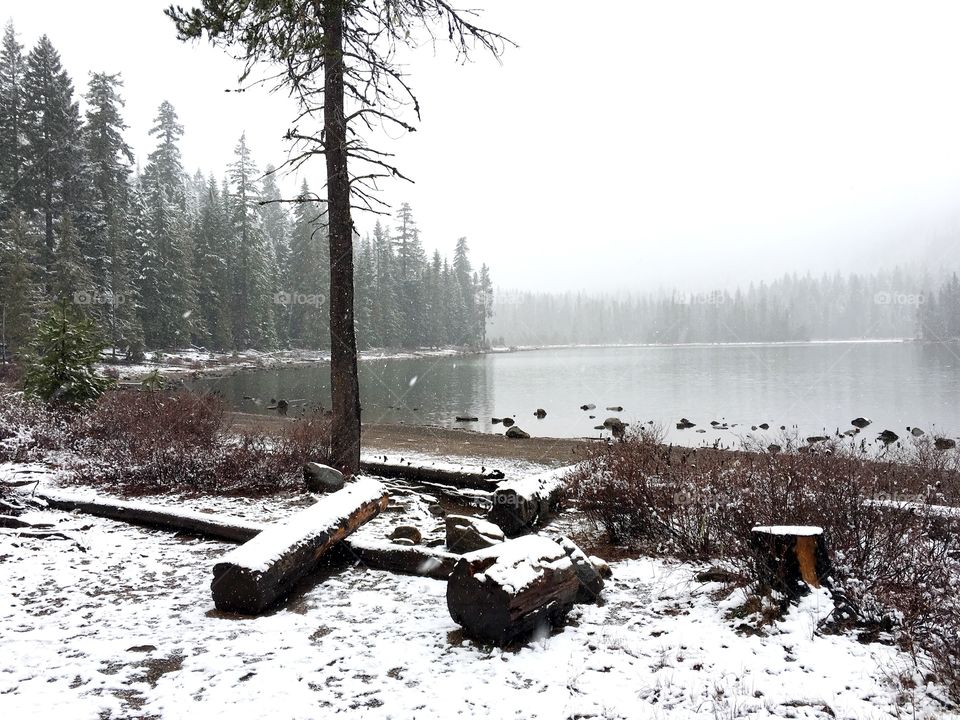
817, 387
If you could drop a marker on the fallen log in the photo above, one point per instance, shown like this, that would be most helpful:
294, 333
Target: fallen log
377, 555
456, 476
208, 525
790, 558
254, 576
516, 588
520, 504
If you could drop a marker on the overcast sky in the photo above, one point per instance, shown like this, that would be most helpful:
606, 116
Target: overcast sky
622, 145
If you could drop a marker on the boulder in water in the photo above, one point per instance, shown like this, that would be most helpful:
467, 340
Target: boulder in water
860, 422
887, 437
517, 434
508, 422
540, 413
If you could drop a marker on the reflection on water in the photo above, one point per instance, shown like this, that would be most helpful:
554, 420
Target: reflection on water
818, 388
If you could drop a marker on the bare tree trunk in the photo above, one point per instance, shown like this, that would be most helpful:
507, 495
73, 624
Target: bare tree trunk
344, 383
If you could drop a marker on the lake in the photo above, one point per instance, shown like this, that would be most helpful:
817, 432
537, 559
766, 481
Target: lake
817, 387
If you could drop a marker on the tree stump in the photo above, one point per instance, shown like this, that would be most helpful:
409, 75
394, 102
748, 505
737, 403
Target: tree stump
512, 590
520, 504
790, 558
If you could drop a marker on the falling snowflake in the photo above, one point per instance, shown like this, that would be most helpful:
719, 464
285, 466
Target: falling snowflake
413, 380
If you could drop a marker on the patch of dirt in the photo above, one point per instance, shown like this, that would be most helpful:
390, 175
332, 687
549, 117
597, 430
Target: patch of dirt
441, 442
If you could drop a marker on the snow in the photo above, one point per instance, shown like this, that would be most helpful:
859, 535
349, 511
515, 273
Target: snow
520, 562
194, 361
539, 484
801, 530
128, 629
398, 461
260, 553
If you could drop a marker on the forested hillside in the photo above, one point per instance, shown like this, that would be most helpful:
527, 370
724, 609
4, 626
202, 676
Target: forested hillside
895, 304
161, 258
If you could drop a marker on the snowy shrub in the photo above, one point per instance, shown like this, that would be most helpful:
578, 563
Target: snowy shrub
148, 442
896, 564
29, 430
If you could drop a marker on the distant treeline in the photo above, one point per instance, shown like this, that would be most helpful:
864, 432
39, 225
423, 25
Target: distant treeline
892, 304
161, 259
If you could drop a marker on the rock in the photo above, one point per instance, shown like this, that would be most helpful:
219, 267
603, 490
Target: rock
616, 426
701, 430
916, 432
602, 567
496, 421
887, 437
541, 413
860, 422
406, 532
466, 418
615, 408
466, 533
773, 448
817, 439
764, 426
517, 434
322, 478
508, 422
436, 511
685, 424
851, 432
592, 417
714, 423
591, 582
599, 427
942, 443
588, 406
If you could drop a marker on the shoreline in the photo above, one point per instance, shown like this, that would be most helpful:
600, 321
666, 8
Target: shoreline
192, 363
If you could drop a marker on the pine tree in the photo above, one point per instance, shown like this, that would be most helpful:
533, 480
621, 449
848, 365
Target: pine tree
308, 322
252, 299
109, 158
166, 284
276, 229
12, 160
52, 150
212, 269
63, 354
19, 290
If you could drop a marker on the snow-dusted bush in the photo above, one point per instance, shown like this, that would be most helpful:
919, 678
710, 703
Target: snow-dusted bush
896, 561
29, 430
148, 442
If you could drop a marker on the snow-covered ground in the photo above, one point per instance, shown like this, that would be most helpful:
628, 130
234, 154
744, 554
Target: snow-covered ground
118, 622
192, 362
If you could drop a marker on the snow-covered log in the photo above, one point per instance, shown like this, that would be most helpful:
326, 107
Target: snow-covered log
513, 589
460, 476
208, 525
254, 576
790, 558
379, 555
520, 504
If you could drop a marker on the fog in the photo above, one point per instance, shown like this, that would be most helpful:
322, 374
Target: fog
630, 146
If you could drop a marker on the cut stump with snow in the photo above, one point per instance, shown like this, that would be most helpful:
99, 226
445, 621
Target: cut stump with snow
790, 558
520, 504
254, 576
512, 590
